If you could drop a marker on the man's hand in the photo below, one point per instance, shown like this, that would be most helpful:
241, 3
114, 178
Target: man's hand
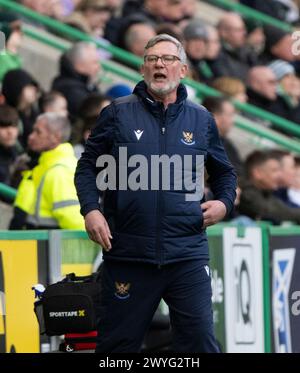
98, 229
214, 211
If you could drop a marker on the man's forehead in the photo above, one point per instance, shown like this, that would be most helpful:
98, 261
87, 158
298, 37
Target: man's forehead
164, 47
272, 162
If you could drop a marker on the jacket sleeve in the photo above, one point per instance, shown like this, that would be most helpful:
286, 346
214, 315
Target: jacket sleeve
23, 202
222, 177
99, 143
18, 221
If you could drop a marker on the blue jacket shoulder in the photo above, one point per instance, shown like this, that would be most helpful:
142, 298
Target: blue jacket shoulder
125, 100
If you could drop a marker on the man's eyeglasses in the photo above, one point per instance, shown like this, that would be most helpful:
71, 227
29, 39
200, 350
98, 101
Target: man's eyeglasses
166, 59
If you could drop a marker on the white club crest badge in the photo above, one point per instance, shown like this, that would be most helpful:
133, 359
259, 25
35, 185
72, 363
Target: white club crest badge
188, 138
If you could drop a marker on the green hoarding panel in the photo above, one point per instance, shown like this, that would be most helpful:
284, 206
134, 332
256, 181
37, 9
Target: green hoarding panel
80, 251
217, 275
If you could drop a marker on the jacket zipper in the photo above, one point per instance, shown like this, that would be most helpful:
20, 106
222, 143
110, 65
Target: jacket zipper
162, 150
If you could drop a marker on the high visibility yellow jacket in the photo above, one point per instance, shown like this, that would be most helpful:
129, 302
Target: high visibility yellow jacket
25, 194
55, 203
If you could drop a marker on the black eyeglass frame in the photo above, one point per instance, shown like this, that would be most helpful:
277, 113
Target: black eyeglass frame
162, 58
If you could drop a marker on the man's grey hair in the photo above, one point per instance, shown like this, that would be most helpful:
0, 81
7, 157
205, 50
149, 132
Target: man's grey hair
78, 51
165, 37
57, 123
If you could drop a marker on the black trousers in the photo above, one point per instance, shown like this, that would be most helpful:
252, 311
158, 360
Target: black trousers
131, 293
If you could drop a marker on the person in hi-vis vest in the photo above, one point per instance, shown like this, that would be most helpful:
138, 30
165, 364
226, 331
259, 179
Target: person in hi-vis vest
51, 201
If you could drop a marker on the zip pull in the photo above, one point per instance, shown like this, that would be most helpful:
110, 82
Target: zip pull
163, 130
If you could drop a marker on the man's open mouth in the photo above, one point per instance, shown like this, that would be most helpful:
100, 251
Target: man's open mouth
160, 76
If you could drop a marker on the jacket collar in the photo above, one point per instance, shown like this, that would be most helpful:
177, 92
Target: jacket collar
258, 98
156, 107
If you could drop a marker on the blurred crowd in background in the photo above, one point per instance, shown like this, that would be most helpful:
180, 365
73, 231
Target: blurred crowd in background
245, 60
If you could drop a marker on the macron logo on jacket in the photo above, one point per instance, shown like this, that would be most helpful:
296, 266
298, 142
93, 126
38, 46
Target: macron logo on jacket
138, 134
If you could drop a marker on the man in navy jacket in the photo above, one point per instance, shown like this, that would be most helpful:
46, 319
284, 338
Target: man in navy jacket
153, 236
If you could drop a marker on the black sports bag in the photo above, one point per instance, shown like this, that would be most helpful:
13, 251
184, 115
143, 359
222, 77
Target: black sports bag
69, 305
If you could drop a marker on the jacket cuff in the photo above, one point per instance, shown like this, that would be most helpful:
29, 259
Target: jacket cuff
228, 204
89, 207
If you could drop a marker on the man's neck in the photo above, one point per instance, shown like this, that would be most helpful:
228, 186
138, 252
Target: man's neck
166, 99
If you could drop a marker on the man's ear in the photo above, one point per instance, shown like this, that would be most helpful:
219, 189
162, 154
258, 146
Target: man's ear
55, 137
256, 173
183, 71
142, 69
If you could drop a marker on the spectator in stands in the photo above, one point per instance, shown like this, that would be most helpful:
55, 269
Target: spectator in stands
162, 11
286, 176
79, 74
50, 8
231, 87
288, 91
90, 16
235, 58
256, 38
195, 36
9, 121
42, 7
171, 29
150, 8
92, 105
69, 6
257, 198
262, 85
224, 113
57, 9
126, 23
175, 11
115, 5
54, 203
135, 34
10, 59
112, 27
131, 7
87, 117
158, 11
278, 46
284, 10
189, 8
54, 102
294, 189
213, 44
21, 91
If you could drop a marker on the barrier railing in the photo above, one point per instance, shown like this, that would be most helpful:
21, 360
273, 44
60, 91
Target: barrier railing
135, 61
7, 192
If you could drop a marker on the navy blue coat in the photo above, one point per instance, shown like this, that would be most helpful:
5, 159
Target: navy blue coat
155, 226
